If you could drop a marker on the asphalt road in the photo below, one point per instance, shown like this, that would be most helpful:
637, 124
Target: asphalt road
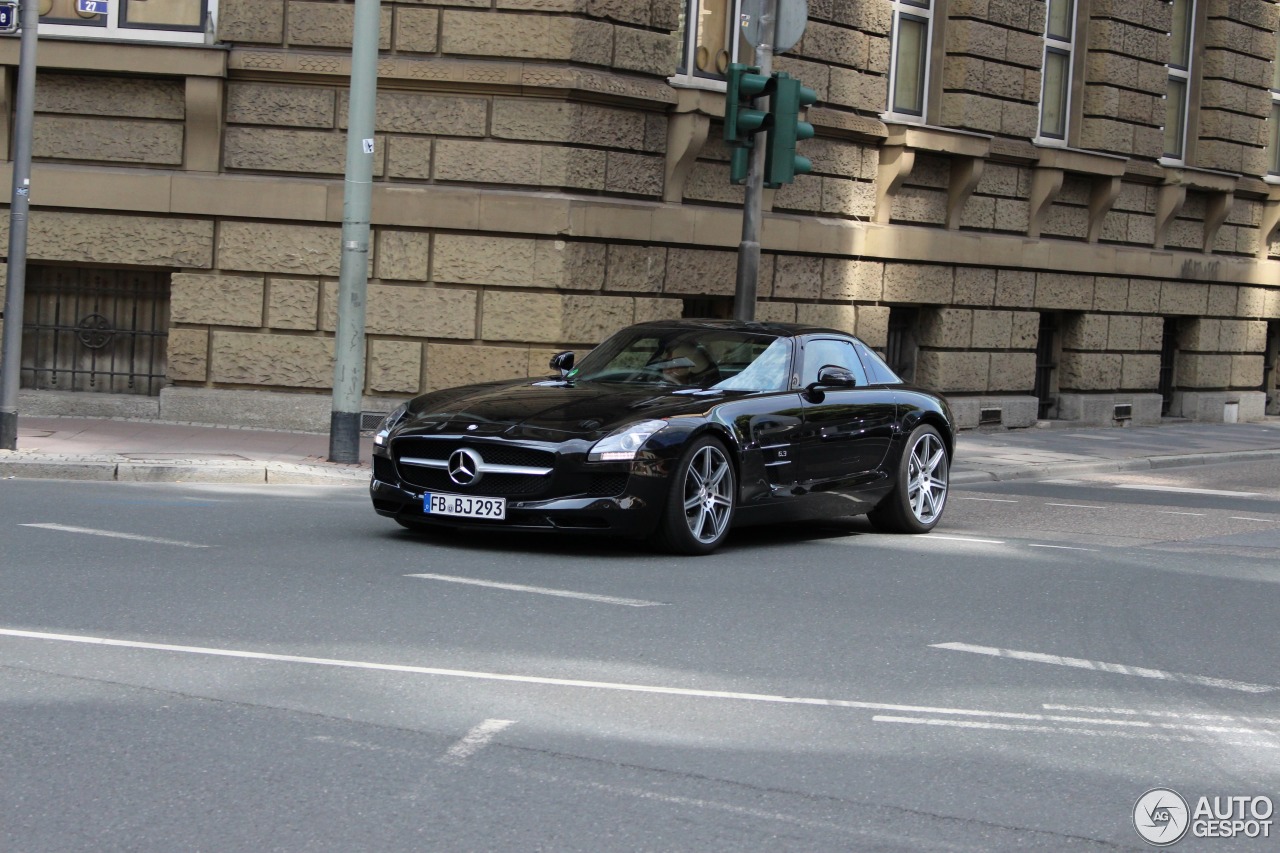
277, 668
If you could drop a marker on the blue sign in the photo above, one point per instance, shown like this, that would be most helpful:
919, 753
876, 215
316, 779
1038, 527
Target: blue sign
8, 17
92, 7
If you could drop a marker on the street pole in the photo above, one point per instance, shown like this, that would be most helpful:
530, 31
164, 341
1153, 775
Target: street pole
744, 297
353, 275
15, 294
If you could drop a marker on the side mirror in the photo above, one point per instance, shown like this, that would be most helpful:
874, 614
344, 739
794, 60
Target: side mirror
829, 377
563, 362
836, 377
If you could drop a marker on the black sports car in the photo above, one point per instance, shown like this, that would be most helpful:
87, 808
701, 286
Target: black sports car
677, 429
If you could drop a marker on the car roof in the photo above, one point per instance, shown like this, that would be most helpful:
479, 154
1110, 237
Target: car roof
779, 329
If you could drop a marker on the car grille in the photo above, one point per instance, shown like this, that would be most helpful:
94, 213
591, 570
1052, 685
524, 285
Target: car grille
489, 485
545, 486
608, 485
497, 454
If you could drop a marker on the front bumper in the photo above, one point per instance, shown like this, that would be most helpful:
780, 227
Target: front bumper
633, 513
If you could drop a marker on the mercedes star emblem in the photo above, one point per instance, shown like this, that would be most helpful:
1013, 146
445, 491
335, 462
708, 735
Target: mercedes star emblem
464, 466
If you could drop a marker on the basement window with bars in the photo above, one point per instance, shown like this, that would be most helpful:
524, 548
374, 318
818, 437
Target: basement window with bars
180, 21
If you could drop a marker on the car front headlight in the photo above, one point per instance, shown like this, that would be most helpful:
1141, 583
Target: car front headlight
389, 423
622, 444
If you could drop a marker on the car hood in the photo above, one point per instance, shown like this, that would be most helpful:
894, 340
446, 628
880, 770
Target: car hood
549, 410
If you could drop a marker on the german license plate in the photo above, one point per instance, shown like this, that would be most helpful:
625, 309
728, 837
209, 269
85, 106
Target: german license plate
464, 506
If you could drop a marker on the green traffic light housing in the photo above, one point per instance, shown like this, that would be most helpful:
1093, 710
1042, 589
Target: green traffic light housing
787, 98
741, 119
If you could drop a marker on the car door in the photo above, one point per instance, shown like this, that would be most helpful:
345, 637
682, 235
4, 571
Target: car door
847, 431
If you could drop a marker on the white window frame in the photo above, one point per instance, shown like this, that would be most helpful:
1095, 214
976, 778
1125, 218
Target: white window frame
689, 77
114, 31
1067, 48
1184, 76
920, 10
1272, 175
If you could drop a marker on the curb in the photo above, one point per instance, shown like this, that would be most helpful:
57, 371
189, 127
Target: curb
1144, 463
285, 473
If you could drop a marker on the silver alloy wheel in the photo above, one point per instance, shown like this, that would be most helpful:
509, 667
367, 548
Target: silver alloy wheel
927, 478
708, 494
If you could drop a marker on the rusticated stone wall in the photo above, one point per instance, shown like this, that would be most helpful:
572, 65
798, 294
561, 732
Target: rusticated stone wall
108, 120
991, 74
1239, 47
624, 35
1126, 77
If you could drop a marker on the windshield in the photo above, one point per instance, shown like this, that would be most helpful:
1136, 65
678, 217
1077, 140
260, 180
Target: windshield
691, 358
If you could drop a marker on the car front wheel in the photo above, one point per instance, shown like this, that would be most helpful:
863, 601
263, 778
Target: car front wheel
920, 486
701, 499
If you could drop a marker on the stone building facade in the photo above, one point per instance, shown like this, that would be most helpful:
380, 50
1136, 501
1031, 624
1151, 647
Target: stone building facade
1045, 208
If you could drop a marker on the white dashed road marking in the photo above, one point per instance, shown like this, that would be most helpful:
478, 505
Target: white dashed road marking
1185, 491
474, 741
559, 593
1102, 666
114, 535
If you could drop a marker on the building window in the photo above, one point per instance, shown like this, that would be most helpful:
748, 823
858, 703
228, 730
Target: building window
1179, 91
190, 21
1059, 50
909, 62
1273, 167
902, 343
710, 41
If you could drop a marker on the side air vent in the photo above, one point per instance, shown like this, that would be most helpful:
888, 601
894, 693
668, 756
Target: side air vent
1123, 412
990, 417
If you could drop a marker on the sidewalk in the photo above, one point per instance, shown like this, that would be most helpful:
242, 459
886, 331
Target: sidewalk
149, 451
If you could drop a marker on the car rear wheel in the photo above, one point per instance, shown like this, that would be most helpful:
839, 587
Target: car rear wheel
920, 489
701, 499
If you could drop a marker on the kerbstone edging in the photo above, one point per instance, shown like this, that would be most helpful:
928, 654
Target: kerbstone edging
1034, 470
106, 469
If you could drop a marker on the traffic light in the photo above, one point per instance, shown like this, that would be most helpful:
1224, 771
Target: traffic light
741, 119
786, 98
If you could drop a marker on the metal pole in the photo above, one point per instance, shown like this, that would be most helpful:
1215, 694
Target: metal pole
744, 297
353, 275
11, 362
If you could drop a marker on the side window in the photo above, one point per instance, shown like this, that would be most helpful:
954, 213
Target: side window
877, 371
828, 352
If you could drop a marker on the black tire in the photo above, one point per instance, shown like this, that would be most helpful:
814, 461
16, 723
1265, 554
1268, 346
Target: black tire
920, 486
701, 499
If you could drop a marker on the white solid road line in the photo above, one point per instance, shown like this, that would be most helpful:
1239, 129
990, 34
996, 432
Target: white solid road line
1185, 491
481, 735
560, 593
1102, 666
65, 528
474, 741
961, 539
1062, 547
990, 500
687, 692
1078, 506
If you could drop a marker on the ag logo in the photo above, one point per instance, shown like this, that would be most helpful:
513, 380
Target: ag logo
1161, 817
